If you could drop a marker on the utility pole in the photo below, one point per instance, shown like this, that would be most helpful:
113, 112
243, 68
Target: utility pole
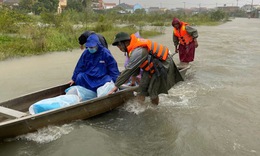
252, 8
184, 7
237, 2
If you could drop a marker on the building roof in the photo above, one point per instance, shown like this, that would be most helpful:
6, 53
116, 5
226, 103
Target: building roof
110, 4
125, 6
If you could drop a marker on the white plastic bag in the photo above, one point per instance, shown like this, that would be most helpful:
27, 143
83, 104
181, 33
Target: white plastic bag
53, 103
83, 93
105, 89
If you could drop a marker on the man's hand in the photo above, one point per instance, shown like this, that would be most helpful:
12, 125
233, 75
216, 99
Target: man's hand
71, 82
113, 90
133, 81
196, 43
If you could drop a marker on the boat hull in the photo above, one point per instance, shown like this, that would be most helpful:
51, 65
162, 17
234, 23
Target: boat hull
83, 110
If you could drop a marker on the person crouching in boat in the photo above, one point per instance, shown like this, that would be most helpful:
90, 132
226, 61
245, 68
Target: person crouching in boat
185, 41
159, 71
96, 66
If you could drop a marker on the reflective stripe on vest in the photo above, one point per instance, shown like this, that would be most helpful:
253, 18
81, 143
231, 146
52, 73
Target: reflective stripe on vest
161, 52
156, 50
147, 66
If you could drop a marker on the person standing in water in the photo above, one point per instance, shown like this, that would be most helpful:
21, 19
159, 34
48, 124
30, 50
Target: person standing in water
159, 70
185, 41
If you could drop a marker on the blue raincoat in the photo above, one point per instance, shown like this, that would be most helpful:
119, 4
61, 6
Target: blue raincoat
95, 69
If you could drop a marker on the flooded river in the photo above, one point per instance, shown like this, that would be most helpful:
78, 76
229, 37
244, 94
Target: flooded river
214, 112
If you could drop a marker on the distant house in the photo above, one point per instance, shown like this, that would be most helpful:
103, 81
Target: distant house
97, 4
109, 5
252, 10
154, 9
126, 8
163, 9
228, 8
249, 7
198, 10
203, 9
137, 6
61, 6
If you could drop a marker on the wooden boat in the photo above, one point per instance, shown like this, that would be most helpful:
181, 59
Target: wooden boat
16, 120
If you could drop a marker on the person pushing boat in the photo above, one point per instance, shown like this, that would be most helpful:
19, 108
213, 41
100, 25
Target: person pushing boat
159, 70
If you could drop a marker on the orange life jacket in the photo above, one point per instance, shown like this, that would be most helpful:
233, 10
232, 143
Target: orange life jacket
182, 34
157, 50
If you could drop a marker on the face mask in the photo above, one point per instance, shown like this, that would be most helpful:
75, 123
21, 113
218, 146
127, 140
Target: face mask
92, 50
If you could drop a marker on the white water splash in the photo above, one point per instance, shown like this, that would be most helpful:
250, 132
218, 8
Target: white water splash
47, 134
133, 106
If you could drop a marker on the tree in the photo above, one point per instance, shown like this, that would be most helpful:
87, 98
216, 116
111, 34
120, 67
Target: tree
217, 15
75, 5
140, 11
26, 5
45, 6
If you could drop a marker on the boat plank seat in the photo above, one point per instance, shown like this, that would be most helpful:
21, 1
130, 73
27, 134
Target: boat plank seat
11, 113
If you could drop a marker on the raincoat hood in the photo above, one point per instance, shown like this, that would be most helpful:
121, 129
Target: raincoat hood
92, 41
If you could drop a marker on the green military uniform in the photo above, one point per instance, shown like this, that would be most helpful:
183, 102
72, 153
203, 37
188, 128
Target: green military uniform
150, 85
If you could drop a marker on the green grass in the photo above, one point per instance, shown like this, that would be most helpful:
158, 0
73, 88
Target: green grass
21, 35
50, 40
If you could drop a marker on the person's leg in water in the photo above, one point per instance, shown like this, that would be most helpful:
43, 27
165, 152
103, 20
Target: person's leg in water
155, 101
141, 99
186, 54
143, 87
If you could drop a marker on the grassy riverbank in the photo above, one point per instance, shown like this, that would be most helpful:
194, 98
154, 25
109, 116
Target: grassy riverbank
24, 35
49, 40
35, 35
